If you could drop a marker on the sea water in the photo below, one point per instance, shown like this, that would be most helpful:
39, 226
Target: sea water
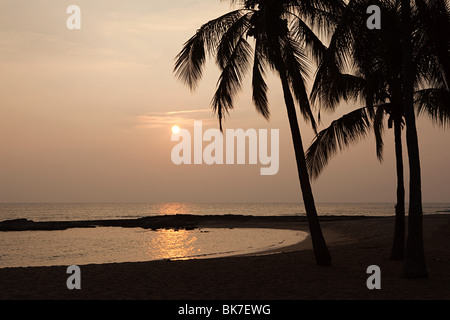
106, 245
101, 211
114, 245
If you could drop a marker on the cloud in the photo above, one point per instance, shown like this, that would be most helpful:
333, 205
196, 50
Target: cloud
179, 117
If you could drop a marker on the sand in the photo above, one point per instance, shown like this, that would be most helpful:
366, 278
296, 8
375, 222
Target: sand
289, 275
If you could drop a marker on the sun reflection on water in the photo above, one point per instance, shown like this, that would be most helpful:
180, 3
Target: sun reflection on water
172, 208
172, 244
116, 245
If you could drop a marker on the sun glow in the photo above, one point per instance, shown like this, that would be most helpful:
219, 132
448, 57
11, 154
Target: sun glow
175, 129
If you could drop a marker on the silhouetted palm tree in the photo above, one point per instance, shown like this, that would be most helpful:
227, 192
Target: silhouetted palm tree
376, 58
357, 124
436, 15
415, 265
282, 41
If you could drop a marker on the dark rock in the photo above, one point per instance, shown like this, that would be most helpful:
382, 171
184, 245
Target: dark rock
16, 221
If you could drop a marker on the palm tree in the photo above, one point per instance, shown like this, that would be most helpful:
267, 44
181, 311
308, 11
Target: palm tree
354, 126
282, 41
415, 265
377, 60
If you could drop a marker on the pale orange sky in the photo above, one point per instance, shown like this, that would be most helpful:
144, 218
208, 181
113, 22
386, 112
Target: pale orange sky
85, 115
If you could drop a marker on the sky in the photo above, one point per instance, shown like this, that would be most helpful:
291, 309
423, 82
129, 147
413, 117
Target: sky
86, 115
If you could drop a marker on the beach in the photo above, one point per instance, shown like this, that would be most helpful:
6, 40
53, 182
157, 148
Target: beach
288, 274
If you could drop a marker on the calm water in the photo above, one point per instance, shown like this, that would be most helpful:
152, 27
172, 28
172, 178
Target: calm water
105, 245
111, 245
64, 212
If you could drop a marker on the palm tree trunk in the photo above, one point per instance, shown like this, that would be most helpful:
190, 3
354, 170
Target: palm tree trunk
414, 266
320, 248
398, 247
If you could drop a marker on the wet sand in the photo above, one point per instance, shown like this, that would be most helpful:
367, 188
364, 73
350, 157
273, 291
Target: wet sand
355, 243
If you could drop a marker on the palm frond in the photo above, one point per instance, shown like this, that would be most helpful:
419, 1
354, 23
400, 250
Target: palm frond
230, 38
435, 18
189, 63
259, 93
302, 33
294, 61
378, 128
321, 16
436, 104
191, 60
342, 132
331, 87
342, 42
230, 80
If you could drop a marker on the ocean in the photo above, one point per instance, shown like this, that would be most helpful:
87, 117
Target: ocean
100, 211
115, 244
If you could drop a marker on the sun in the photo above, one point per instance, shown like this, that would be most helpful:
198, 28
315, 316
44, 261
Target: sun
175, 129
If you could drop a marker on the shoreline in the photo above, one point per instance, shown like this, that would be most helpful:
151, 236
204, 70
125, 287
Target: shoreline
185, 222
354, 245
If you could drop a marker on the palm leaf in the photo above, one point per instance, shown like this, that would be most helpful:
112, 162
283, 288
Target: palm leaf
378, 128
230, 38
302, 33
259, 93
342, 132
331, 87
230, 80
436, 104
294, 59
321, 16
191, 60
189, 63
435, 15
